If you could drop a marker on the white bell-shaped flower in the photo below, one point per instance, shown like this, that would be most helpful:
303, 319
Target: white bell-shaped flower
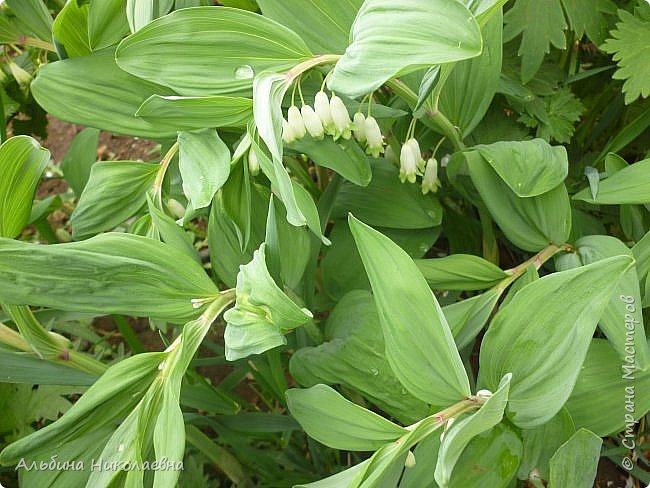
359, 123
408, 161
312, 122
341, 118
322, 108
430, 181
295, 121
374, 139
288, 135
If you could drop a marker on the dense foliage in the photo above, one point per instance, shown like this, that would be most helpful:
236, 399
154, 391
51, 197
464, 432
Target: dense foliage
388, 244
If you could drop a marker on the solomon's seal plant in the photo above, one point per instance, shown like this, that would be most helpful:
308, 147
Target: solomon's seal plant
397, 244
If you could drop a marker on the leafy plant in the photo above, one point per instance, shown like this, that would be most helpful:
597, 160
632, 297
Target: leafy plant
412, 239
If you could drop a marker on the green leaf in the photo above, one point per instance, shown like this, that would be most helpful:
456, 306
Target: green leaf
18, 367
545, 355
469, 89
140, 12
386, 203
70, 29
530, 223
346, 478
421, 475
353, 356
343, 156
338, 423
388, 39
115, 191
178, 50
589, 17
109, 273
115, 392
187, 113
576, 461
308, 208
324, 26
541, 442
490, 459
22, 161
628, 186
204, 163
33, 16
598, 401
236, 198
529, 168
622, 319
468, 317
462, 432
107, 23
424, 358
167, 230
263, 312
460, 272
542, 24
79, 159
631, 52
93, 91
169, 439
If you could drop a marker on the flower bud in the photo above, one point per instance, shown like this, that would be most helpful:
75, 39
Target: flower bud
322, 107
410, 460
296, 123
359, 122
409, 159
341, 118
288, 134
312, 122
176, 208
253, 163
430, 182
374, 138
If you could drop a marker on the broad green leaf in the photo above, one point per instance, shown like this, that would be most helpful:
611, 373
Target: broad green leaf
527, 278
388, 39
107, 23
169, 439
641, 252
19, 367
419, 346
421, 475
204, 163
629, 185
343, 156
115, 392
622, 319
630, 52
589, 17
541, 442
606, 398
344, 478
308, 208
236, 198
93, 91
33, 16
223, 241
140, 12
337, 422
576, 461
490, 460
545, 355
115, 191
468, 317
168, 231
109, 273
463, 431
324, 26
70, 29
386, 203
79, 159
22, 161
529, 168
529, 223
186, 113
353, 356
262, 314
541, 25
179, 50
469, 89
460, 272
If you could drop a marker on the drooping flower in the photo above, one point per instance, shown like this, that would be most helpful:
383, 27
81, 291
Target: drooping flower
374, 138
288, 135
359, 123
312, 122
430, 181
410, 161
322, 108
296, 123
341, 118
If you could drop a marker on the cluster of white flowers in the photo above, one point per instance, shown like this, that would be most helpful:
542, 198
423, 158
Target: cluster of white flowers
412, 165
330, 116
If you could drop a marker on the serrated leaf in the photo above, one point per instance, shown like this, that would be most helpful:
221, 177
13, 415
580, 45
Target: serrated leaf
541, 24
561, 112
337, 422
589, 17
388, 38
424, 357
631, 51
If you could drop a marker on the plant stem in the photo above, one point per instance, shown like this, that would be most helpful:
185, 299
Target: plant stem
300, 68
162, 171
538, 260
